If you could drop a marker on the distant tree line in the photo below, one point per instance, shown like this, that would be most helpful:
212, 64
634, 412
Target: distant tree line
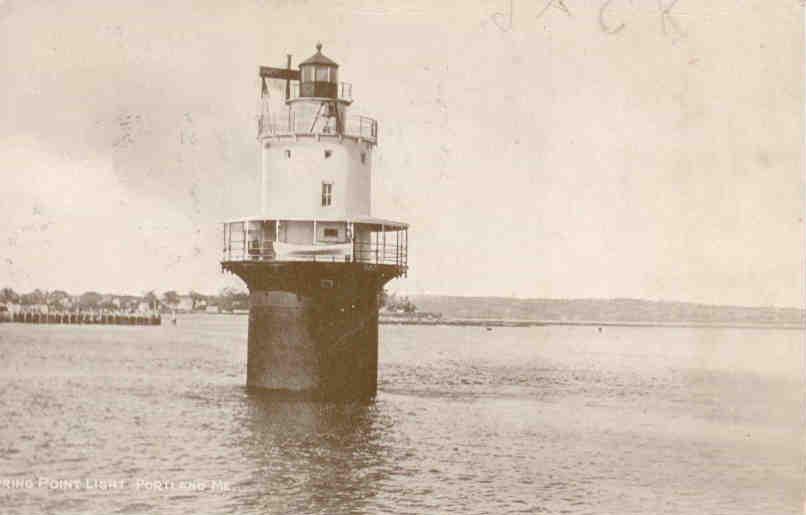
395, 303
228, 299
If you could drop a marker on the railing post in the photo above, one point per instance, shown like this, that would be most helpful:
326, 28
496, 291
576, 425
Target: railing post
351, 228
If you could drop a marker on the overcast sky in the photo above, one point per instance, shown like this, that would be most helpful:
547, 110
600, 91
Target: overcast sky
562, 151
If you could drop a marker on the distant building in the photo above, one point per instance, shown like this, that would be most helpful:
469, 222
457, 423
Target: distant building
63, 303
185, 303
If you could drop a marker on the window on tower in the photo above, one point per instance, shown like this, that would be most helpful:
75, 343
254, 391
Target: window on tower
328, 153
363, 158
327, 193
288, 154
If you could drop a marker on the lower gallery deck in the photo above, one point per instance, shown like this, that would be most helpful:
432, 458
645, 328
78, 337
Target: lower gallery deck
313, 306
372, 241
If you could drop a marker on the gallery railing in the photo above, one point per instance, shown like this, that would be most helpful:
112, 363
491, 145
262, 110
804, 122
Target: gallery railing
390, 253
355, 126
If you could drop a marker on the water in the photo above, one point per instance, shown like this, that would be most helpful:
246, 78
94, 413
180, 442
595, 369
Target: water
514, 420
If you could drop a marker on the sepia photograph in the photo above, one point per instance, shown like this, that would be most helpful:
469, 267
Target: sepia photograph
402, 257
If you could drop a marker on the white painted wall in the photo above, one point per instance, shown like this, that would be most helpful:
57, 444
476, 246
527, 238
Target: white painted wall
300, 233
292, 187
364, 238
340, 227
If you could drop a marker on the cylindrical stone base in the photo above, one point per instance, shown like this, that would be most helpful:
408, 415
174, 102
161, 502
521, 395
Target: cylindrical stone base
282, 351
313, 329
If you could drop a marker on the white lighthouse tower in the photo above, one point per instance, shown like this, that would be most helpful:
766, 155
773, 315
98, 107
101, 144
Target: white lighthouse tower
314, 258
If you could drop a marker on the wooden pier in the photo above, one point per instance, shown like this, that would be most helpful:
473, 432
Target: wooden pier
88, 318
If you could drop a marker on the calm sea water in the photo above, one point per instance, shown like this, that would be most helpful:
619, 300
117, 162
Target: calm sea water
537, 420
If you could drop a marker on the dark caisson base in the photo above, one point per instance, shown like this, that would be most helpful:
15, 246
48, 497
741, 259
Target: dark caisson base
313, 327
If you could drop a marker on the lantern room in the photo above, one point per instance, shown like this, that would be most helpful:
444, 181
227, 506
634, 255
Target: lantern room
319, 76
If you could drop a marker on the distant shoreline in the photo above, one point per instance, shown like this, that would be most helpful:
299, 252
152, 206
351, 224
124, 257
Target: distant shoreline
498, 322
480, 322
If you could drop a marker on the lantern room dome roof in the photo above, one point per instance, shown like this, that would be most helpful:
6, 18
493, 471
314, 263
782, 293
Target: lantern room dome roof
319, 58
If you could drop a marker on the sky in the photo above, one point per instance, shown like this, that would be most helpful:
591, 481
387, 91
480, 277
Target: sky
537, 148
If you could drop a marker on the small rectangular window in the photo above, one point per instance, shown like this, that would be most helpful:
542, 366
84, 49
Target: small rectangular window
288, 154
331, 233
328, 153
363, 158
327, 193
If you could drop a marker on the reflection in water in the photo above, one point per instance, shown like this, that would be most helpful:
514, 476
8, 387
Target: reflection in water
539, 420
318, 454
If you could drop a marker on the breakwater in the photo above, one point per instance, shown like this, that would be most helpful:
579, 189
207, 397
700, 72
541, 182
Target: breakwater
85, 318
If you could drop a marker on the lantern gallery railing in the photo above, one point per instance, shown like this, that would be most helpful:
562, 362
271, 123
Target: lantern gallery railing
361, 126
355, 126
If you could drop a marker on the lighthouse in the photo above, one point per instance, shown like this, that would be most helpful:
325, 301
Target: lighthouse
314, 259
